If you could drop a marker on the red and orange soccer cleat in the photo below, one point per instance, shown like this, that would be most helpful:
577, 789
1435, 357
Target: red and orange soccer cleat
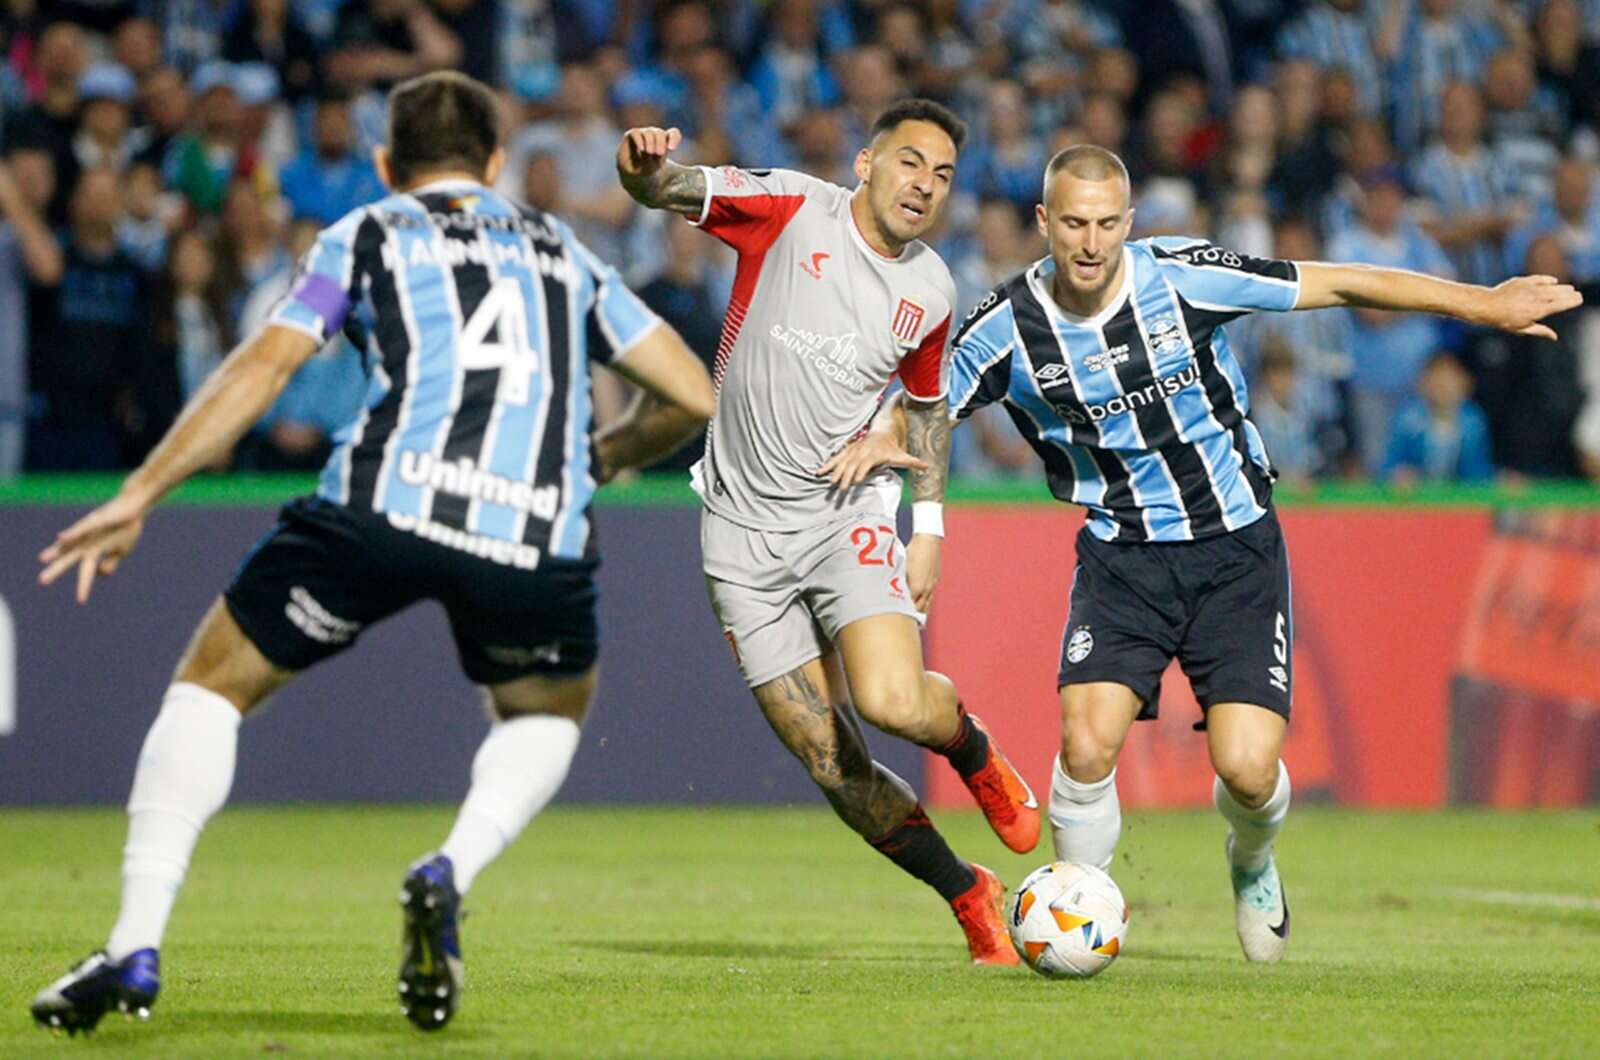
1005, 798
978, 911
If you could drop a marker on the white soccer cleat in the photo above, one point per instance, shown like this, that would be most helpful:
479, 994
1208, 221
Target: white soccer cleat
1260, 910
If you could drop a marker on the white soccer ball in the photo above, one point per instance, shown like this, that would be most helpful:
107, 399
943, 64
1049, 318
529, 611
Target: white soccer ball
1068, 920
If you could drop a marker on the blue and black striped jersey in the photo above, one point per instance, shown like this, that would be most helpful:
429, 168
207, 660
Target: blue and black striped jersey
1139, 412
477, 319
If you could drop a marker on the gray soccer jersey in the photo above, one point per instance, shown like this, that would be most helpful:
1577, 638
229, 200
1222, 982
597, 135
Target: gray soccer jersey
818, 325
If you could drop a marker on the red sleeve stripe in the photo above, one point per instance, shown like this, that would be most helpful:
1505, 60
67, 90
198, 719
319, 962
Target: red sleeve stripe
750, 223
922, 370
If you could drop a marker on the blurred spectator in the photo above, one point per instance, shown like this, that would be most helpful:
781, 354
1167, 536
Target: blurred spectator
330, 178
202, 164
1366, 149
1468, 189
325, 395
1568, 67
105, 94
1054, 42
1529, 386
1279, 409
1008, 161
28, 252
101, 396
870, 83
1305, 164
164, 103
473, 23
191, 30
1104, 122
248, 249
149, 214
729, 125
191, 318
52, 121
269, 31
1174, 39
137, 46
582, 142
1571, 216
266, 132
790, 76
1524, 123
821, 149
1440, 435
380, 42
1389, 348
1441, 42
1338, 35
950, 69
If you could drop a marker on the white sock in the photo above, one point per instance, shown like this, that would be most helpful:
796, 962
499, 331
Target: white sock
1085, 819
516, 773
1253, 830
184, 773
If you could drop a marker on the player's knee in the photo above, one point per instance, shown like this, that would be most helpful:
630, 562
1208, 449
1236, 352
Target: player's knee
894, 706
1086, 757
1249, 773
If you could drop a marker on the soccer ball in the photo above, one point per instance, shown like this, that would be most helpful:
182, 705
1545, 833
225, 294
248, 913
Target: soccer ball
1068, 920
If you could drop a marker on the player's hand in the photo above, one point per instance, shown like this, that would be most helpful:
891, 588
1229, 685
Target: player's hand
644, 148
95, 544
852, 465
1518, 304
922, 569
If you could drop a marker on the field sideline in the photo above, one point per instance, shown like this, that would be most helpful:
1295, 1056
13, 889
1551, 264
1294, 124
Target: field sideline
766, 932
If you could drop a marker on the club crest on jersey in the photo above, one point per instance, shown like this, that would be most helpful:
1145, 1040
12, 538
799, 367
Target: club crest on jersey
1165, 335
1079, 645
907, 319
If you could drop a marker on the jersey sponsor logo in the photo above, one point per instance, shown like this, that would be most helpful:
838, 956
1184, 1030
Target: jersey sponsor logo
494, 549
832, 355
548, 654
464, 478
1079, 645
1209, 255
814, 269
1099, 362
734, 176
1159, 390
907, 319
315, 621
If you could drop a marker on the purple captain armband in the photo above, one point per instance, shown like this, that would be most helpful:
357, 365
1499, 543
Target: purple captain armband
323, 296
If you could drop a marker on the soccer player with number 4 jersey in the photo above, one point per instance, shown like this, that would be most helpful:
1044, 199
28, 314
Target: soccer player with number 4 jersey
1111, 359
466, 479
834, 295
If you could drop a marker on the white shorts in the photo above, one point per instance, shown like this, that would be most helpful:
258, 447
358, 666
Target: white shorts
782, 598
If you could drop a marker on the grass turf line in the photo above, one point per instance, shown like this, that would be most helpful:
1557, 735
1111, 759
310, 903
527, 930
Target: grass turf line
767, 932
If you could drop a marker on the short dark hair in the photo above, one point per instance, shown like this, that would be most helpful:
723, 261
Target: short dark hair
441, 121
1086, 162
927, 110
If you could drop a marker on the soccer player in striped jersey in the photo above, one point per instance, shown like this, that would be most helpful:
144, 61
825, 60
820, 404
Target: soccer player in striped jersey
835, 294
466, 479
1111, 359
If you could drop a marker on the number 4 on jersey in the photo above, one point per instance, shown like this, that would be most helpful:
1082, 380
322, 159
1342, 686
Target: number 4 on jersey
504, 310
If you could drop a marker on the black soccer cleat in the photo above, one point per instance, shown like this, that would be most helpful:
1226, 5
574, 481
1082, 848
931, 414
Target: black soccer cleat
431, 972
97, 985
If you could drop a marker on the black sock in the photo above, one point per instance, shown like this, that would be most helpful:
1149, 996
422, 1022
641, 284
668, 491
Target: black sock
968, 749
918, 848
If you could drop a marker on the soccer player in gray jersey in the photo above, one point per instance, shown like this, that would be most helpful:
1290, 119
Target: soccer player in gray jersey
834, 295
1111, 359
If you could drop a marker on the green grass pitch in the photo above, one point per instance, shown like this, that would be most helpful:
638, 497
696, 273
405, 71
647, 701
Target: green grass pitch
750, 932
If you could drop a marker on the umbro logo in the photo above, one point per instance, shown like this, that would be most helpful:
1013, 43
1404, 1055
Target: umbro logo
1053, 375
814, 270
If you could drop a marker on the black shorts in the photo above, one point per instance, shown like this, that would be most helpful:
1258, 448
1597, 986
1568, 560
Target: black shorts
326, 572
1220, 605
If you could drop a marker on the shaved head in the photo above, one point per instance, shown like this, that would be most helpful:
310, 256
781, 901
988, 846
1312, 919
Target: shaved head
1086, 162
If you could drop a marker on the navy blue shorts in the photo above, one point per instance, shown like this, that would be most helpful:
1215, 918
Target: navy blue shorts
326, 572
1220, 606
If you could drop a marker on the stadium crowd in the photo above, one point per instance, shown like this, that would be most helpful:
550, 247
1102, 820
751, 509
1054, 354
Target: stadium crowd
164, 162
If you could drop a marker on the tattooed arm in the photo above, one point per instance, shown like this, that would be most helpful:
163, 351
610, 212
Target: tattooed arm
653, 179
927, 440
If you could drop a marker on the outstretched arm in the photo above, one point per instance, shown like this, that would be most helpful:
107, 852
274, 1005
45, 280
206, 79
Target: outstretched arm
1516, 305
653, 179
233, 398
